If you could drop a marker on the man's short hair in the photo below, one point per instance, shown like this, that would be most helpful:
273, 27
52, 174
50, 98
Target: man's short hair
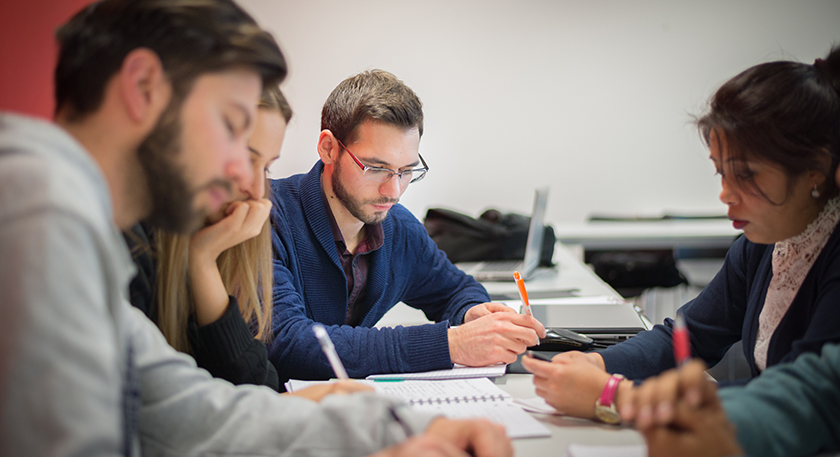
191, 38
374, 95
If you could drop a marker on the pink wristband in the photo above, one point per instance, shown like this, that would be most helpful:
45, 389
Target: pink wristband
608, 394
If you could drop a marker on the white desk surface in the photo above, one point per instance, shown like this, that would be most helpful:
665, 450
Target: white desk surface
665, 234
564, 430
568, 273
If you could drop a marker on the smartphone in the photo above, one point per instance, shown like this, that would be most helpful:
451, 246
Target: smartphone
539, 356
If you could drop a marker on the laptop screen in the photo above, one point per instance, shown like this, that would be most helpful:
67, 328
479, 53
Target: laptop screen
536, 230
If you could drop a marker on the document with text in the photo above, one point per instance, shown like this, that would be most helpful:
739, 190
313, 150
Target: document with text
457, 399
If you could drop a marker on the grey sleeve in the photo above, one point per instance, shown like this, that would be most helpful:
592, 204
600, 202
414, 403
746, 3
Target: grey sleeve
187, 412
60, 372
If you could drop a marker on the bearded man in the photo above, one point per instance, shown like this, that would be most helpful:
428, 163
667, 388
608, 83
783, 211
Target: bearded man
346, 252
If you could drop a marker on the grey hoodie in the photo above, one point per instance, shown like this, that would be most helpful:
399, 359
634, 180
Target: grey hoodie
82, 373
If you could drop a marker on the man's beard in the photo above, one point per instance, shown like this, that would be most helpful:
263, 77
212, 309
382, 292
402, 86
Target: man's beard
355, 206
169, 192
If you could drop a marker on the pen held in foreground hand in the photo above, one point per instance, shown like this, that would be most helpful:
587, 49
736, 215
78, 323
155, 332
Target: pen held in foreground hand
329, 350
682, 341
523, 294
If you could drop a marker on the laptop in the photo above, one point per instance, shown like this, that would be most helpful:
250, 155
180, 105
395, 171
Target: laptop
502, 270
606, 322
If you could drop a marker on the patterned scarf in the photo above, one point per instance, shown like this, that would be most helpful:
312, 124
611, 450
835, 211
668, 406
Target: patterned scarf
792, 259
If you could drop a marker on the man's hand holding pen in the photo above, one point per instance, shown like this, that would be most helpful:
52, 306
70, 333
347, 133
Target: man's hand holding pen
492, 333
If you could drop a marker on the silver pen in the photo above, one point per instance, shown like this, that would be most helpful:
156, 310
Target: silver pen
329, 350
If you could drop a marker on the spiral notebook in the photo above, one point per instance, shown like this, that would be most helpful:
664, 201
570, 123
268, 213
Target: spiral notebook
458, 399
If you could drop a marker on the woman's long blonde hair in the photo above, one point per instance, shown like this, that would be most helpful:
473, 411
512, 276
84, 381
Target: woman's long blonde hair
246, 270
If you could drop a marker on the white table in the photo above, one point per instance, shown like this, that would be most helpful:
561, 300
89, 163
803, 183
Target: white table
564, 430
569, 273
667, 234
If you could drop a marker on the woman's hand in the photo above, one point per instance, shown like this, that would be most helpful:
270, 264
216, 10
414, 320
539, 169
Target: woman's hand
244, 220
571, 382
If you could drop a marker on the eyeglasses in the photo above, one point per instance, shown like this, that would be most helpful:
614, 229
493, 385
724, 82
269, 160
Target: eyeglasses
383, 175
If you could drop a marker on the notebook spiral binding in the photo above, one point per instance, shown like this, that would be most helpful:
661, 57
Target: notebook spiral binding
473, 399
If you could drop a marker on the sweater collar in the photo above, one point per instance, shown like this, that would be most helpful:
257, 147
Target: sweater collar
315, 211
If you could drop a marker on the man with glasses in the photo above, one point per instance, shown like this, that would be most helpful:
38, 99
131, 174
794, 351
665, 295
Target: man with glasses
346, 252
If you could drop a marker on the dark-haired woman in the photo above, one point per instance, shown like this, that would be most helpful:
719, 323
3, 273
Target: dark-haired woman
773, 133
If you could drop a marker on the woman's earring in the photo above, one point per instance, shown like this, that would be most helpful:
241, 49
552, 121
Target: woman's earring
815, 193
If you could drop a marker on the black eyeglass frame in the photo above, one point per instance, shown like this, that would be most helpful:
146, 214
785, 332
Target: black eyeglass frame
393, 173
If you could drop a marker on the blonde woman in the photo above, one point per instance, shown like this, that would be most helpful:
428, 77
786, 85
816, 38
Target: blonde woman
210, 293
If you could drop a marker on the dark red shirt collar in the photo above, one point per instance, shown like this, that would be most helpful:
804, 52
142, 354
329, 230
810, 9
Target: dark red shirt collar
355, 265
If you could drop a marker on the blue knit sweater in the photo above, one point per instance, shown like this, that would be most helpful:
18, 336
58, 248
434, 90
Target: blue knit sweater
310, 286
727, 311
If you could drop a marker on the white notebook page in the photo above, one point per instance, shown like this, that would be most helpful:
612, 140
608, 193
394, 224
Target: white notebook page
457, 399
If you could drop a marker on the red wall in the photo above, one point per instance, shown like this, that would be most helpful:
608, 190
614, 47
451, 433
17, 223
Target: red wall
28, 52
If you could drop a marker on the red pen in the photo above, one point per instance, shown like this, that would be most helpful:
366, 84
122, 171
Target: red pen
522, 293
682, 343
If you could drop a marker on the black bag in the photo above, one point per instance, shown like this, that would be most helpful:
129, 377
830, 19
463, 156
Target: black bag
636, 270
493, 236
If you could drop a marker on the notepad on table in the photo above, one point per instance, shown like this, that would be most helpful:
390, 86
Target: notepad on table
536, 405
457, 399
459, 372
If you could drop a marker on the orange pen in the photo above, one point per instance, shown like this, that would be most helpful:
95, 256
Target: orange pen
523, 294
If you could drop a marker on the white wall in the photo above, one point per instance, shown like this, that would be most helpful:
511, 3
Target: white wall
590, 97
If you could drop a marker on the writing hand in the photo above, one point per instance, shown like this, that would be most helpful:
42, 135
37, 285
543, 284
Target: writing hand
422, 446
693, 432
478, 437
654, 402
492, 333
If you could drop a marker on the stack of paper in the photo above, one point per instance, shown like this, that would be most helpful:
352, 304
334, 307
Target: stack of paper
585, 450
459, 372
